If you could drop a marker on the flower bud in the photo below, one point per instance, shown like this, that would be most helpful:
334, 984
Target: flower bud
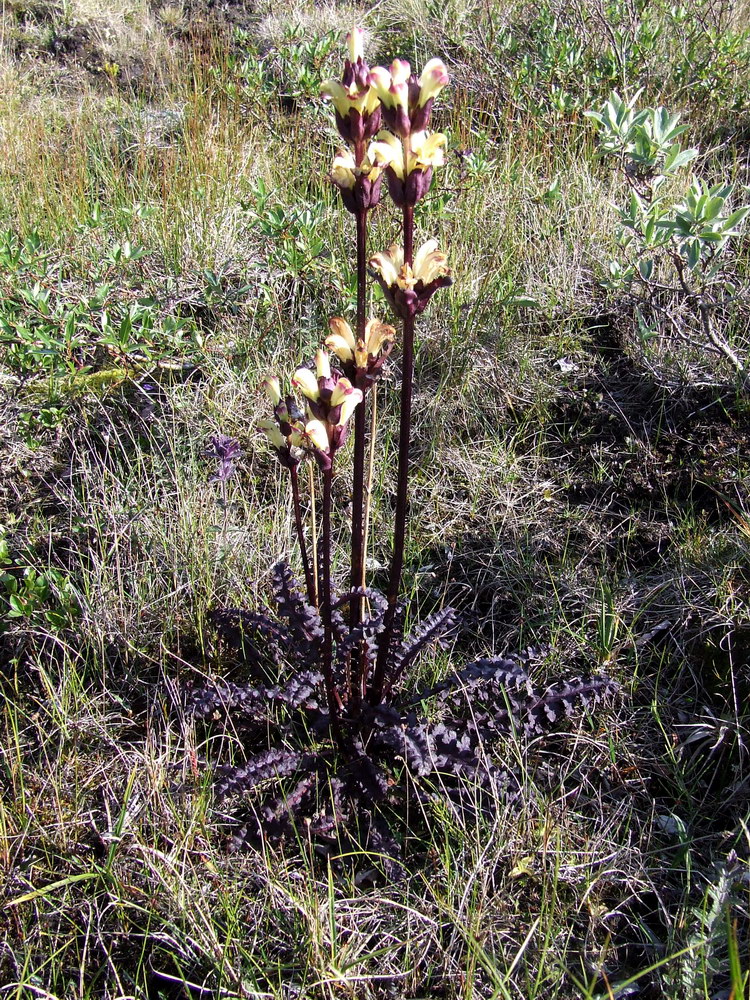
322, 365
273, 389
431, 81
271, 429
355, 44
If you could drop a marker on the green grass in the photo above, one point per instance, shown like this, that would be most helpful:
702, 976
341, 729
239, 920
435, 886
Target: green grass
600, 509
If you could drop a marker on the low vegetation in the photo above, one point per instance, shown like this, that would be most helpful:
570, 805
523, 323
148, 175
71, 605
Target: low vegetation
169, 238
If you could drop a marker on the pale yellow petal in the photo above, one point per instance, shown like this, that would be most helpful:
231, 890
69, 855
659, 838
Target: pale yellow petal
305, 380
355, 45
340, 347
371, 100
376, 335
322, 364
273, 389
335, 92
423, 253
432, 80
342, 171
341, 390
387, 150
380, 80
338, 325
352, 400
316, 432
428, 151
272, 432
383, 264
400, 71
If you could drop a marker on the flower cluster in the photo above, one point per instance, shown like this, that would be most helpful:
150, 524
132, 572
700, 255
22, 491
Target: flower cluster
331, 400
290, 434
363, 100
359, 184
362, 358
355, 99
404, 102
406, 99
409, 165
408, 288
357, 170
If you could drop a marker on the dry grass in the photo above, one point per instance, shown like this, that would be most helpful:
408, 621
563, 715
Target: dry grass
572, 488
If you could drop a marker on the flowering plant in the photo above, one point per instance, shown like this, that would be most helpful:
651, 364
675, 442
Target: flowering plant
344, 653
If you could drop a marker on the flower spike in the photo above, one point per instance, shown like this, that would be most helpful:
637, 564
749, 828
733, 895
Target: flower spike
354, 98
408, 289
355, 45
405, 98
284, 428
359, 184
363, 359
409, 169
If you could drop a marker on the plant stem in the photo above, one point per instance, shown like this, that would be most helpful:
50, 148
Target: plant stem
325, 602
370, 473
314, 532
359, 686
402, 495
360, 415
309, 579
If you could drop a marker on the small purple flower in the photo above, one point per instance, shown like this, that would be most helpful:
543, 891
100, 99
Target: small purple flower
227, 450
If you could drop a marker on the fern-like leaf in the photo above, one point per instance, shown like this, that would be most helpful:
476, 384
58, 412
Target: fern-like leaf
434, 628
271, 764
561, 700
304, 620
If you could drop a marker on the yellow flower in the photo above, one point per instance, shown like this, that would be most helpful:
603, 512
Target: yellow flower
388, 265
392, 87
363, 353
273, 389
432, 80
316, 434
347, 98
429, 263
424, 151
307, 383
341, 340
271, 429
427, 150
409, 163
344, 170
409, 288
347, 398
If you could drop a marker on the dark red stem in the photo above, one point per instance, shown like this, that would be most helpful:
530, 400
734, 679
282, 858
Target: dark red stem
358, 484
325, 603
402, 488
309, 581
